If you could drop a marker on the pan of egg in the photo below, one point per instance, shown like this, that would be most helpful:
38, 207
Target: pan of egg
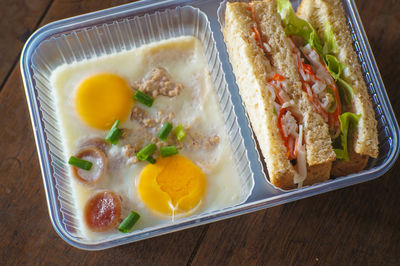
98, 96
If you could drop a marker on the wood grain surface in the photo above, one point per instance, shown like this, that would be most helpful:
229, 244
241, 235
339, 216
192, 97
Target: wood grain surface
354, 225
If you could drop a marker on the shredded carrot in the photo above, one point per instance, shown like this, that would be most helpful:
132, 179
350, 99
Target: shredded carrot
279, 99
278, 77
291, 152
333, 119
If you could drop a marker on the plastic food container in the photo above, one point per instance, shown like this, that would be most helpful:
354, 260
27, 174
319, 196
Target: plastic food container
126, 27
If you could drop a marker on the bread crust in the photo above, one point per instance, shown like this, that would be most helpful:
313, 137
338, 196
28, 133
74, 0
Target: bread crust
357, 162
252, 69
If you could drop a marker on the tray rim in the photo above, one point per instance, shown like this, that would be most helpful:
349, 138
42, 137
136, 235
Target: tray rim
113, 13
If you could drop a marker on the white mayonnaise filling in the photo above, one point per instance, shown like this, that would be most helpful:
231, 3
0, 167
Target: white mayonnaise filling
267, 47
289, 125
301, 166
271, 92
284, 96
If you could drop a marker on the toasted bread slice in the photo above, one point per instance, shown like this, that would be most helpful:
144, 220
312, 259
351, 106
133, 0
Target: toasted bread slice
364, 142
317, 138
252, 68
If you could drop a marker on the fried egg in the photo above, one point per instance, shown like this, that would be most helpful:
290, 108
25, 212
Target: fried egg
92, 94
172, 186
102, 99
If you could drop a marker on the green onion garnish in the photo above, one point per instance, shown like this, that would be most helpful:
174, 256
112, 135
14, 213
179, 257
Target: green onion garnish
83, 164
128, 222
168, 151
114, 134
180, 133
146, 151
143, 98
151, 160
163, 134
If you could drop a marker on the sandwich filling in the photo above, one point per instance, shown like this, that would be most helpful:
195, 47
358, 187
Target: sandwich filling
289, 119
322, 77
319, 85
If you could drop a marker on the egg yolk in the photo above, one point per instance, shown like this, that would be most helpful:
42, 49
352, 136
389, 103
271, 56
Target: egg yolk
173, 185
102, 99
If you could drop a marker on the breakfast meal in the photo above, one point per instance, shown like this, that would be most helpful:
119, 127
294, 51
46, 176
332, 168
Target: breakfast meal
156, 117
145, 138
303, 89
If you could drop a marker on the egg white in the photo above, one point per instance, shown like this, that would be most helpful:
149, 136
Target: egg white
196, 106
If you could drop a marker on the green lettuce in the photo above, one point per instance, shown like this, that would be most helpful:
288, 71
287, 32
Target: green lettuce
330, 45
335, 68
345, 91
347, 120
297, 26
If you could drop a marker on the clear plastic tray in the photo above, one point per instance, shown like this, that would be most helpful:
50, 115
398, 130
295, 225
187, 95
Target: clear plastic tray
132, 25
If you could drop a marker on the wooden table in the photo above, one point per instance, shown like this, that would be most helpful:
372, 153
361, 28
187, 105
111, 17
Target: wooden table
354, 225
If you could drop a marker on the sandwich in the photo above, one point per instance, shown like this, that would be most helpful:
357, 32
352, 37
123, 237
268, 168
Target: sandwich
297, 90
293, 138
320, 31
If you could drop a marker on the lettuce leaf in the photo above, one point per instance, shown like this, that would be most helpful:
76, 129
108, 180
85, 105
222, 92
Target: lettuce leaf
334, 66
347, 120
298, 27
330, 45
345, 91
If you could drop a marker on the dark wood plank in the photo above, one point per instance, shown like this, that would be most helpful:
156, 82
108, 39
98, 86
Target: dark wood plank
27, 234
356, 225
381, 22
18, 19
65, 8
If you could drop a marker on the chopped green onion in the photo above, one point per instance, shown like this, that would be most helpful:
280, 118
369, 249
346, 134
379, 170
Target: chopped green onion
144, 98
83, 164
151, 160
128, 222
114, 134
146, 151
163, 134
168, 151
180, 133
